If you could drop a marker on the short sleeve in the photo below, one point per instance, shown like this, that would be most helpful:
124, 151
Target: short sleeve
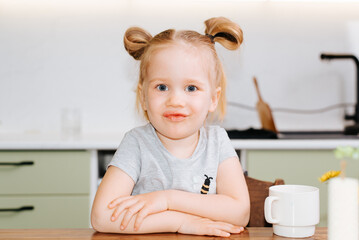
226, 150
127, 156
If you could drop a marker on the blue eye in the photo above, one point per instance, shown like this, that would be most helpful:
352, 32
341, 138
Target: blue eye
162, 87
191, 88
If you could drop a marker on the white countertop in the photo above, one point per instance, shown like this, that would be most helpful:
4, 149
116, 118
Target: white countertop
111, 142
58, 142
294, 144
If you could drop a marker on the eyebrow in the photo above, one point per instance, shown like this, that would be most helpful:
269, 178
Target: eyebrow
194, 82
157, 79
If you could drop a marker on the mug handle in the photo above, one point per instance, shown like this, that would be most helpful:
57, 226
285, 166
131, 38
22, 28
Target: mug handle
268, 209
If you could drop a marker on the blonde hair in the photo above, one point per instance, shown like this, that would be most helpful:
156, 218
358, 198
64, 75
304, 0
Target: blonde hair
141, 45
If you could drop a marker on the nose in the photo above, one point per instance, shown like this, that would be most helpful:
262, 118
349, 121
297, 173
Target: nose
176, 98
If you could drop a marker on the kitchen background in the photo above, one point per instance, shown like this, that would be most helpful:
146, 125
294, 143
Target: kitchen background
64, 54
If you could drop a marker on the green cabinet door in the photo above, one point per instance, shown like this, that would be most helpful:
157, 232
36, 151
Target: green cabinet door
298, 167
47, 212
60, 172
52, 186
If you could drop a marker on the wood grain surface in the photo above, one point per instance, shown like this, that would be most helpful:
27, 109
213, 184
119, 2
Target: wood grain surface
253, 233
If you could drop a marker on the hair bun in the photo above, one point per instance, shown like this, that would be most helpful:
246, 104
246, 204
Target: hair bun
136, 40
224, 31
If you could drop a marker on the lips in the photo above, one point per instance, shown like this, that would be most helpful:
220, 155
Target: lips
175, 116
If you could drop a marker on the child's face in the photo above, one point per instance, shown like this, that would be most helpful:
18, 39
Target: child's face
178, 94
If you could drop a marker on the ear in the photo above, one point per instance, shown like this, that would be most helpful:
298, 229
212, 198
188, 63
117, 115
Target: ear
215, 99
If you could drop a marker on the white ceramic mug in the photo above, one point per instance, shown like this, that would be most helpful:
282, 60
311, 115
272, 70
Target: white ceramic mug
293, 210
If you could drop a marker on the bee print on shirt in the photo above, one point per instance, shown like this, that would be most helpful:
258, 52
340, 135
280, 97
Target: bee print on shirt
205, 186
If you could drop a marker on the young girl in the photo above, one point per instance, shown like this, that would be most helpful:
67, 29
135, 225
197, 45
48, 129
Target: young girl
176, 174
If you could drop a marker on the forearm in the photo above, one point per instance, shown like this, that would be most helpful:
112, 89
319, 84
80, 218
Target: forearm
167, 221
217, 207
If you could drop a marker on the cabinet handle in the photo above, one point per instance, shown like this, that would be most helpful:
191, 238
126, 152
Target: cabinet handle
20, 209
17, 163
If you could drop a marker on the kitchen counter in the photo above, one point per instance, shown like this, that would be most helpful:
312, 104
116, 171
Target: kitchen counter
250, 150
87, 234
98, 142
111, 142
293, 143
245, 145
58, 142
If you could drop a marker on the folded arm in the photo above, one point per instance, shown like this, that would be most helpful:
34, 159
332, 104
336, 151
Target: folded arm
230, 204
117, 183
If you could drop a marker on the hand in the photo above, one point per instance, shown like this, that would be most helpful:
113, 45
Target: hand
142, 204
204, 226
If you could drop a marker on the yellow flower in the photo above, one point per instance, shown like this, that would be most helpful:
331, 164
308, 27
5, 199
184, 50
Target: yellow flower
341, 152
328, 175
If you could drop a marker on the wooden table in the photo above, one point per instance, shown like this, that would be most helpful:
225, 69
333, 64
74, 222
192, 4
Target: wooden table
82, 234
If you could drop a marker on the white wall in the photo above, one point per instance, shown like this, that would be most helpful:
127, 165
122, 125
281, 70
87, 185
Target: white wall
60, 54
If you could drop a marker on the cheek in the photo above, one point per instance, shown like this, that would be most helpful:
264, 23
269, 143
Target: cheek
202, 104
153, 102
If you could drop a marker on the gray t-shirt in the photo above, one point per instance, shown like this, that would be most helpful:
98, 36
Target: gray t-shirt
143, 157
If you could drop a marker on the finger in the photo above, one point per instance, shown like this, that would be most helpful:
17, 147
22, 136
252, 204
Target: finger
121, 207
236, 229
140, 216
115, 215
129, 214
228, 227
117, 201
219, 233
240, 229
223, 224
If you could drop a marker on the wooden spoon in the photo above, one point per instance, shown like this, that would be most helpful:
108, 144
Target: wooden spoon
264, 111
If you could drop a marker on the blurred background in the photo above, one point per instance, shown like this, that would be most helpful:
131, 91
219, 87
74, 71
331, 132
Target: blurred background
57, 55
